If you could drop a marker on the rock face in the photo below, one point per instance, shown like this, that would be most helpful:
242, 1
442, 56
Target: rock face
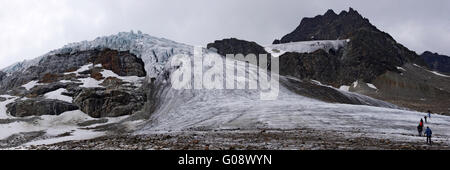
39, 107
437, 62
369, 53
329, 26
318, 65
121, 63
109, 103
2, 75
236, 46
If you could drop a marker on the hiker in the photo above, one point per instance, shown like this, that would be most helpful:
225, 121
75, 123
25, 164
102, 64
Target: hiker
428, 133
425, 119
429, 114
420, 127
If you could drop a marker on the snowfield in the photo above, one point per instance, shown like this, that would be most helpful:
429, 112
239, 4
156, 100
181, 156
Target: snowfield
305, 46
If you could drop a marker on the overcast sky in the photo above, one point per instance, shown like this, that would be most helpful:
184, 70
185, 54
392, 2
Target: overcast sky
30, 28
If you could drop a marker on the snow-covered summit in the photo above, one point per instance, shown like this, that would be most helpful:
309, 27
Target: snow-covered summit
152, 50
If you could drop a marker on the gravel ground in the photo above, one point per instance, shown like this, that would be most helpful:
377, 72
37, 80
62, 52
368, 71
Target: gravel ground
300, 139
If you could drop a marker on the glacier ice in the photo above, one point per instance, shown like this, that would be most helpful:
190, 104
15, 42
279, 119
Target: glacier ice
152, 50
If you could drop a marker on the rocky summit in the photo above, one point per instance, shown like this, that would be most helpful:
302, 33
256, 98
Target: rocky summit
368, 54
435, 61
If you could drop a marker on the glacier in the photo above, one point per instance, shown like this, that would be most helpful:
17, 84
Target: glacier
152, 50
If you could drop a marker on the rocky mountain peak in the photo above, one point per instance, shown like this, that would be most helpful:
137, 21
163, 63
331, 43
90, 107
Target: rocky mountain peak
329, 26
429, 53
369, 53
330, 12
436, 61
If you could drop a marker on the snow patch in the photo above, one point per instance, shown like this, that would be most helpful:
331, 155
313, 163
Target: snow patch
130, 79
9, 99
81, 69
90, 83
57, 95
355, 84
65, 81
434, 72
344, 88
305, 46
401, 68
372, 86
439, 74
31, 84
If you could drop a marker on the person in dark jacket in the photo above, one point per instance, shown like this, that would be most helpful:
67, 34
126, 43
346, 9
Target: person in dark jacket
428, 133
429, 114
420, 127
425, 119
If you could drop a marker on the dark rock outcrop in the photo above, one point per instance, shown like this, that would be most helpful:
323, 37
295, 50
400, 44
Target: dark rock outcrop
2, 75
99, 103
437, 62
319, 65
39, 107
329, 26
236, 46
121, 63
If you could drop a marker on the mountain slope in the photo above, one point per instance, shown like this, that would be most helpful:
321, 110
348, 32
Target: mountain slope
371, 62
368, 53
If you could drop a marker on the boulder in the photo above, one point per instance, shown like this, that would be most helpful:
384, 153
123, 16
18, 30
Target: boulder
100, 103
39, 107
